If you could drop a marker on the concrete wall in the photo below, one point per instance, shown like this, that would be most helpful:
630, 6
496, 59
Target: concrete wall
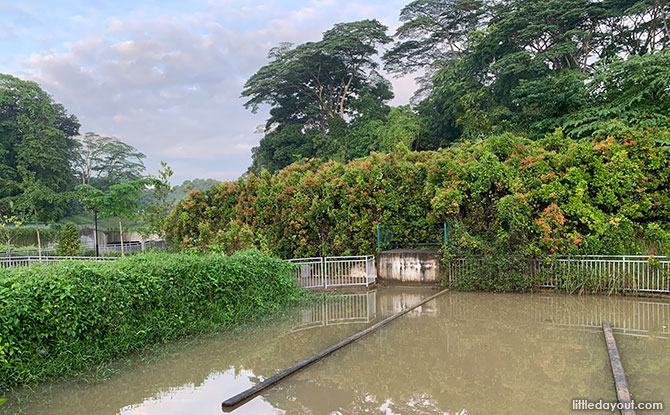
87, 238
406, 265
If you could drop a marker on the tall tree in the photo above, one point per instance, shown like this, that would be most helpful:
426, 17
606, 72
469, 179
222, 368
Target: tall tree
314, 90
104, 161
525, 65
36, 139
432, 33
315, 81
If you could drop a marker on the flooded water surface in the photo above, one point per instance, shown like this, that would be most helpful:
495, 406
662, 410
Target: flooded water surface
463, 353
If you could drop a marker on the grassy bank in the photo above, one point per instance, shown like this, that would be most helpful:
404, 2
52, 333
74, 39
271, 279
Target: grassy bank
61, 319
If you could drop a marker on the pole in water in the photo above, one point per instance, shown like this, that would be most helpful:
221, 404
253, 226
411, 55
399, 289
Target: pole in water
622, 392
243, 397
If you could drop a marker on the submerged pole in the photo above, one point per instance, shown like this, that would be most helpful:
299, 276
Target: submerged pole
243, 397
622, 392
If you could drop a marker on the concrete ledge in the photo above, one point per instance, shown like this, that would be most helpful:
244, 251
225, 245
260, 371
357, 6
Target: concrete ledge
409, 265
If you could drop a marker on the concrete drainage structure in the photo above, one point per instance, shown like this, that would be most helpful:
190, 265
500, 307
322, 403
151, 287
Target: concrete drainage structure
409, 265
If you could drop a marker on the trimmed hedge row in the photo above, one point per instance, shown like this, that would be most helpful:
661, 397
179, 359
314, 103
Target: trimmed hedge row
60, 319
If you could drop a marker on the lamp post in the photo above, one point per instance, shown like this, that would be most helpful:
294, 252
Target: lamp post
95, 232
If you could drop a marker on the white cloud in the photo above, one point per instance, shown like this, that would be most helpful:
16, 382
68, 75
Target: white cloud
170, 85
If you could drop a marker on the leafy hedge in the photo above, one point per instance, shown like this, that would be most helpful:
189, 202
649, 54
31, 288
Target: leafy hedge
60, 319
608, 195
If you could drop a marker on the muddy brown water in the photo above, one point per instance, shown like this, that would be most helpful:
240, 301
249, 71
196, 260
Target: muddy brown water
463, 353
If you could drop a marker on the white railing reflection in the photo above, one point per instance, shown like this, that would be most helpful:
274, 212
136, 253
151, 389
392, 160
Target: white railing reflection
628, 316
353, 308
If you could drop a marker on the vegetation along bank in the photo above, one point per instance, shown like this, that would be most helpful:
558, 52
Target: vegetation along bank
61, 319
605, 195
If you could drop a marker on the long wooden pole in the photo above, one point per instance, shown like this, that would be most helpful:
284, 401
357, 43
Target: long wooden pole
622, 392
243, 397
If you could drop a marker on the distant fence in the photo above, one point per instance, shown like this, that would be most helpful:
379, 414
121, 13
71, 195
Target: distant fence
324, 272
634, 273
24, 261
89, 250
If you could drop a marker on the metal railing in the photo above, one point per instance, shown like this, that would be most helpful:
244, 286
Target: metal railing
339, 271
89, 250
24, 261
633, 273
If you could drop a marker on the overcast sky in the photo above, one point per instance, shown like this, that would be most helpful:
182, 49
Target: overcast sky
166, 76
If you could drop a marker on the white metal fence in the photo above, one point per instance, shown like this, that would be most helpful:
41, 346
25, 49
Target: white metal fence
23, 261
634, 273
85, 250
339, 271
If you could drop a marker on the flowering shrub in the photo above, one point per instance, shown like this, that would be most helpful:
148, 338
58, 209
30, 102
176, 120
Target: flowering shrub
608, 195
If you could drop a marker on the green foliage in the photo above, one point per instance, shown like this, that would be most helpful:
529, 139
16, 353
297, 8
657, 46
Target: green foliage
7, 224
181, 191
587, 282
104, 161
608, 195
528, 67
318, 80
313, 88
37, 145
161, 202
68, 241
65, 318
120, 200
433, 32
237, 236
635, 92
402, 126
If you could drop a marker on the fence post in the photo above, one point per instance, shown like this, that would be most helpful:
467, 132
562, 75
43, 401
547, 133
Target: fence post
367, 274
324, 264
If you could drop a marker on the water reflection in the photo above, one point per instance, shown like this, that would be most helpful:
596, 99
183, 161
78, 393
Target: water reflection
354, 308
465, 353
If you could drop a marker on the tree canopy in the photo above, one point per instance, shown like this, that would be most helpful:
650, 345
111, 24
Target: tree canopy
104, 161
37, 140
43, 157
315, 89
483, 68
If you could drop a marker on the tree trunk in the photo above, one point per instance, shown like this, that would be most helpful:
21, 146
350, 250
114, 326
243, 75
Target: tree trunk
39, 242
121, 236
346, 88
665, 25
